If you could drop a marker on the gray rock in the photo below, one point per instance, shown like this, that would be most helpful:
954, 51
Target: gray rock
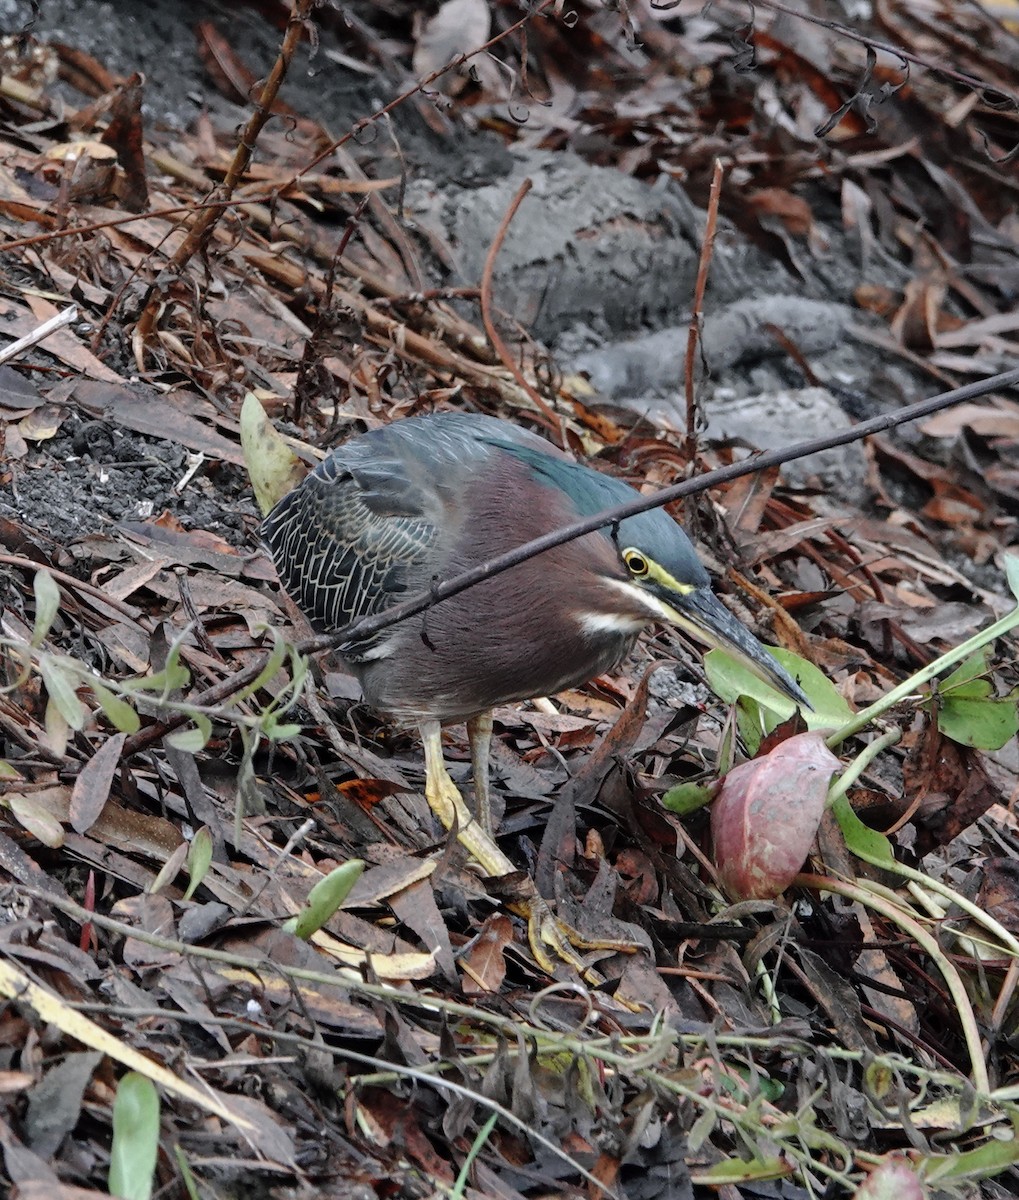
592, 245
588, 243
774, 420
741, 331
731, 334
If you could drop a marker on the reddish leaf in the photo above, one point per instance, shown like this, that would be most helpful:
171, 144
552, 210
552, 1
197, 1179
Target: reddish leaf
894, 1179
366, 793
766, 813
485, 966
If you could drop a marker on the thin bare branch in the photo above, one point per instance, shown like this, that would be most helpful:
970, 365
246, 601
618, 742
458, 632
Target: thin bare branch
697, 315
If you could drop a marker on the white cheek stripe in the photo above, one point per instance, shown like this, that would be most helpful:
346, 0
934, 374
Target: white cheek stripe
628, 623
595, 623
656, 610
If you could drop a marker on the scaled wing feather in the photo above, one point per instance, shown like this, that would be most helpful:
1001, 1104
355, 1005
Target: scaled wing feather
344, 548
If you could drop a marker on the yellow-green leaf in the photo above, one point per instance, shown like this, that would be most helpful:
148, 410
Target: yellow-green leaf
984, 724
192, 740
36, 819
274, 469
325, 898
199, 859
118, 712
686, 798
61, 688
47, 605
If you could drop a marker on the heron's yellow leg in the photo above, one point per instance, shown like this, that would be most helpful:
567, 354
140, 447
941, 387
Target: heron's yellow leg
445, 801
479, 734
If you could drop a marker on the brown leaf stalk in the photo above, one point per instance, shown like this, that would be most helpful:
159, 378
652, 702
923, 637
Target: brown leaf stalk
486, 309
202, 226
697, 315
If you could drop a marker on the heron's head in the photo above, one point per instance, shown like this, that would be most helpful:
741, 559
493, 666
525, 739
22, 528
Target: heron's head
655, 574
666, 579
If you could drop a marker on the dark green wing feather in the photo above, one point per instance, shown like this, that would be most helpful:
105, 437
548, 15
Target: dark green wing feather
350, 539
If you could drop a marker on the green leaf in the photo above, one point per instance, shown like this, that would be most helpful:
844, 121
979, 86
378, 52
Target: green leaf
276, 730
968, 711
192, 740
36, 818
199, 859
60, 684
300, 664
752, 722
135, 1138
864, 842
171, 678
118, 712
968, 679
186, 1174
277, 657
701, 1129
169, 870
738, 1170
47, 605
730, 680
992, 1158
983, 724
879, 1079
686, 798
325, 898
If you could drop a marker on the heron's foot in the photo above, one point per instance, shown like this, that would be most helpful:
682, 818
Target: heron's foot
547, 933
549, 938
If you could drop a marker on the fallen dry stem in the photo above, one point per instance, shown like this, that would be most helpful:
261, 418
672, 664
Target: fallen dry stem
202, 226
863, 894
486, 312
854, 35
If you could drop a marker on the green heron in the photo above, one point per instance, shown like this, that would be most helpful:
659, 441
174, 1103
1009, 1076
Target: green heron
422, 499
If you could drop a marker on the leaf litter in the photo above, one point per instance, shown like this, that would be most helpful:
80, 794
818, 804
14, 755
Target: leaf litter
758, 1047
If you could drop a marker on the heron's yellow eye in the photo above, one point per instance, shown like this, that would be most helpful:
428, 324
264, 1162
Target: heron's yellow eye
637, 563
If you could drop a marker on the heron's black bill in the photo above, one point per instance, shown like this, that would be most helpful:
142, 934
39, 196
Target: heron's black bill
707, 618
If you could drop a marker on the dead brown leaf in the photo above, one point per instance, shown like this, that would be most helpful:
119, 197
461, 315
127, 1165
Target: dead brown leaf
484, 966
92, 787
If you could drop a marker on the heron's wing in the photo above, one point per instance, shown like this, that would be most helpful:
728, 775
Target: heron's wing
351, 540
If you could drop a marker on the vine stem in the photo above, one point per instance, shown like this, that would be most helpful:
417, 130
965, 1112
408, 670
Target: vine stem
910, 925
908, 686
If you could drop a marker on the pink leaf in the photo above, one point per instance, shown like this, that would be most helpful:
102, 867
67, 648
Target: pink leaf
766, 814
893, 1180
